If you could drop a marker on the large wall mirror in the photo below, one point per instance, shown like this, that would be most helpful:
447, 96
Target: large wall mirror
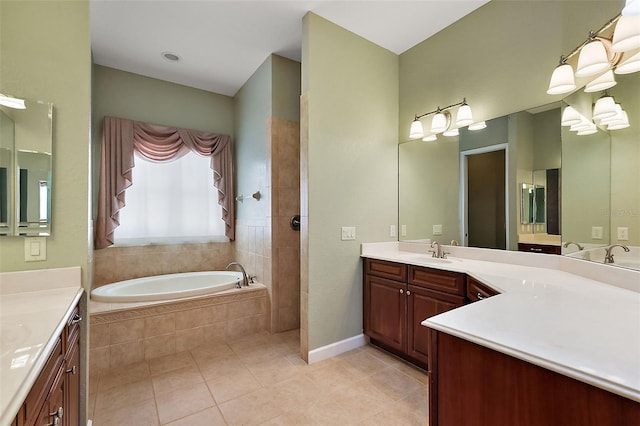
559, 187
25, 169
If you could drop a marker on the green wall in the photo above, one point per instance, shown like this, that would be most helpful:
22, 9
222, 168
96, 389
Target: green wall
45, 54
351, 86
126, 95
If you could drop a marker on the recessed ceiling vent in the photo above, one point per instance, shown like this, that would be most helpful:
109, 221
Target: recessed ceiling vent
170, 56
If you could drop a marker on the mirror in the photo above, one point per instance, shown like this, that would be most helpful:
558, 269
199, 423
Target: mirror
25, 169
433, 189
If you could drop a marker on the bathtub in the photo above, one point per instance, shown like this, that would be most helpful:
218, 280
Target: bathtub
167, 287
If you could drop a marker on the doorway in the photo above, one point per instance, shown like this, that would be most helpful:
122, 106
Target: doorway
484, 197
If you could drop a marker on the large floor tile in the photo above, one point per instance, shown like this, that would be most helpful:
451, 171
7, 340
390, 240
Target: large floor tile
183, 402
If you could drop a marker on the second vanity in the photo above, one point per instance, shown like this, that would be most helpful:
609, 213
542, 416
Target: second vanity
551, 342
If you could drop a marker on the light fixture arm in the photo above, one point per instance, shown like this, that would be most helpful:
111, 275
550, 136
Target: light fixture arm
439, 110
593, 35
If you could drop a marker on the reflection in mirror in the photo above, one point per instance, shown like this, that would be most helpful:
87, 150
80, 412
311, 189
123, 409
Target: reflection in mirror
6, 175
27, 146
601, 187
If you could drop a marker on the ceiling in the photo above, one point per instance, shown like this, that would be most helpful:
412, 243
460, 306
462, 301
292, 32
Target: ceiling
222, 43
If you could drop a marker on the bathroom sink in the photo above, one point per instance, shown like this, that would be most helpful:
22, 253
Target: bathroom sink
12, 334
628, 263
425, 258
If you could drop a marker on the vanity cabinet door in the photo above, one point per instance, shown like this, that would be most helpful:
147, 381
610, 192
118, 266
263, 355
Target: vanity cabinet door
385, 311
72, 386
478, 291
422, 305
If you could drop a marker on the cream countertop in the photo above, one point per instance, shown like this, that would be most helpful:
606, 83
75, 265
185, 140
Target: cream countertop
34, 308
583, 328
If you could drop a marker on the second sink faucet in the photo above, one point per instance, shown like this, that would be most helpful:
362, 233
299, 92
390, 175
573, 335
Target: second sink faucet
438, 252
608, 256
568, 243
245, 279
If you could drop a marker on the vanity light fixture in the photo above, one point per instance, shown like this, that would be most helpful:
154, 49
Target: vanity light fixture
605, 107
477, 126
451, 132
441, 120
614, 118
430, 138
11, 102
589, 130
601, 53
606, 114
623, 123
570, 116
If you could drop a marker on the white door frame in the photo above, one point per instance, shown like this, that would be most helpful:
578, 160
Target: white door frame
464, 214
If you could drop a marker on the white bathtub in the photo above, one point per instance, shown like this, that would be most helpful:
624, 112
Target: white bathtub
167, 287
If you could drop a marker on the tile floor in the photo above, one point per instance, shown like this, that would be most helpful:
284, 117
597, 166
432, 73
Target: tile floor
261, 380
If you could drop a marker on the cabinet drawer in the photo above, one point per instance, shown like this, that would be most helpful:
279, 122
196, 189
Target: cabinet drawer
435, 279
72, 330
384, 269
477, 290
44, 382
539, 248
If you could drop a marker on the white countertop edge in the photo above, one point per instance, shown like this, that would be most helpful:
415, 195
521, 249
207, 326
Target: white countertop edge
541, 362
39, 279
30, 378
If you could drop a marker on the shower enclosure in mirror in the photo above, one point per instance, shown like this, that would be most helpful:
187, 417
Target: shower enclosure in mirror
25, 169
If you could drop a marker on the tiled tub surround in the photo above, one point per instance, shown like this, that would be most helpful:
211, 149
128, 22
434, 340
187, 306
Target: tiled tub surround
114, 264
576, 318
127, 333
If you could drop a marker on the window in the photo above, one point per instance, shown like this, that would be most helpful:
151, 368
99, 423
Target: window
171, 202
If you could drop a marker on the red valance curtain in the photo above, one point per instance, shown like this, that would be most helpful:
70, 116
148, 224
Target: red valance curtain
122, 137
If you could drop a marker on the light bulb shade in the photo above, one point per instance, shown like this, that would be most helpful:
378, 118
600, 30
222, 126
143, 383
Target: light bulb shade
622, 124
593, 59
12, 102
603, 82
451, 132
570, 116
416, 130
464, 117
631, 7
614, 118
588, 130
583, 124
626, 36
439, 123
430, 138
562, 80
605, 107
478, 126
630, 62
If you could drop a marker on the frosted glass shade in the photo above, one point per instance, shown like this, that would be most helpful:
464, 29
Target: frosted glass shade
603, 82
439, 123
416, 130
478, 126
583, 124
570, 116
12, 102
605, 107
562, 80
614, 118
626, 36
630, 62
588, 130
451, 132
631, 7
593, 59
622, 124
430, 138
464, 117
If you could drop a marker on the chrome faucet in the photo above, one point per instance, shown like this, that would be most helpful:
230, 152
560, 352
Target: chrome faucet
437, 251
454, 243
608, 257
568, 243
245, 280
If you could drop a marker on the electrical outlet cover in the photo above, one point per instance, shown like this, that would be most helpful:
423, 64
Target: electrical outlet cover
437, 229
623, 233
596, 232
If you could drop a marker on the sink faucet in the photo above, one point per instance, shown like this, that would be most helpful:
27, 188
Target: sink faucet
608, 257
245, 280
568, 243
438, 251
454, 243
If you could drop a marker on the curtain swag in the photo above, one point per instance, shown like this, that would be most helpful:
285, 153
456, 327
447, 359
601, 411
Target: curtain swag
121, 138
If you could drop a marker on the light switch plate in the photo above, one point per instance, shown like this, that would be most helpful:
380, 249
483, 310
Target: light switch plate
392, 230
623, 233
403, 230
596, 232
437, 229
348, 233
35, 249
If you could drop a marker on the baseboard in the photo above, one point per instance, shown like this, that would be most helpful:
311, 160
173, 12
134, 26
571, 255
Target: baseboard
336, 348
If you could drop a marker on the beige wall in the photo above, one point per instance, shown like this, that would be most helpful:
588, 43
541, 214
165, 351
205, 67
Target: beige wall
349, 171
45, 54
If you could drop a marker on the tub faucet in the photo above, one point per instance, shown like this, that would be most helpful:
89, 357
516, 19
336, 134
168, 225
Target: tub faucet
608, 257
245, 280
568, 243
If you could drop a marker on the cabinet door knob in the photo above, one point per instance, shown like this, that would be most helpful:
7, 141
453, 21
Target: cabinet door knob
72, 370
480, 296
408, 292
76, 319
401, 291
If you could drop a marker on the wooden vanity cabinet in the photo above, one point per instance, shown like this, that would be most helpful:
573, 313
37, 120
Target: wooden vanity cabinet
54, 398
477, 290
539, 248
398, 297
